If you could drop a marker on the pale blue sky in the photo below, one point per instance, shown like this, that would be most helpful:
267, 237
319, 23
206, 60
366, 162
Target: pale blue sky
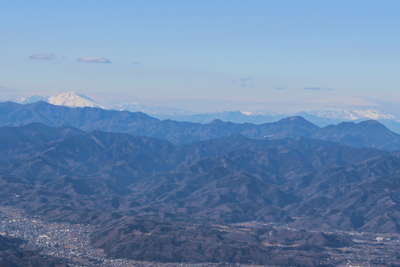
299, 53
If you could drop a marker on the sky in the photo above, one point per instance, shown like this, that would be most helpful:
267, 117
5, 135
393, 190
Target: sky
205, 55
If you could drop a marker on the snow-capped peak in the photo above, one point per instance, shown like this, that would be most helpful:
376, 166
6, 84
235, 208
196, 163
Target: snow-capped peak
352, 114
374, 114
247, 113
72, 99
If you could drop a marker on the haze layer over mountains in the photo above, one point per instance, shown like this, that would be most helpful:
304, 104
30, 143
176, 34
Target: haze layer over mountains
322, 117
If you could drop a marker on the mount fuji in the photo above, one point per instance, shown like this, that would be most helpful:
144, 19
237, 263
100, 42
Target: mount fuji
69, 99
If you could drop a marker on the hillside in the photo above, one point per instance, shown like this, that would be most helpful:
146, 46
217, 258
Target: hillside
128, 184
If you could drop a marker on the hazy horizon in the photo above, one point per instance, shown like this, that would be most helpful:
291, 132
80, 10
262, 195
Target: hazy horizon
205, 56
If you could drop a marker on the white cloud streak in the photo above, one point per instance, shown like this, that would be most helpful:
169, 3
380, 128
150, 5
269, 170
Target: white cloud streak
42, 57
95, 60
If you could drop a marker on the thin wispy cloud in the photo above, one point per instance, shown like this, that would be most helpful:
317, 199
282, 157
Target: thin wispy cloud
315, 88
136, 63
6, 89
47, 57
245, 82
95, 60
7, 93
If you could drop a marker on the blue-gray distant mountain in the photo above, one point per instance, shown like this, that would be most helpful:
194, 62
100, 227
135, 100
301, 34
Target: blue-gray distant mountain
362, 134
138, 123
231, 116
318, 118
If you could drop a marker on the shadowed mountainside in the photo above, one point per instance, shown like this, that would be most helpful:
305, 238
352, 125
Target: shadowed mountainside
128, 185
12, 255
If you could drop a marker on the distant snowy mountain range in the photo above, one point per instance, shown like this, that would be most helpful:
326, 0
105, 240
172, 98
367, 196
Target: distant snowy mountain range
352, 115
319, 117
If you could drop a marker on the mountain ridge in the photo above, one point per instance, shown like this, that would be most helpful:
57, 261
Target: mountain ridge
321, 117
162, 194
363, 134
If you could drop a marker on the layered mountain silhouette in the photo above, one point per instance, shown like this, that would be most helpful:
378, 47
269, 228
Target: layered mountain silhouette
363, 134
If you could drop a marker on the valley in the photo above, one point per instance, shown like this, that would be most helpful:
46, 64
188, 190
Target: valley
71, 243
